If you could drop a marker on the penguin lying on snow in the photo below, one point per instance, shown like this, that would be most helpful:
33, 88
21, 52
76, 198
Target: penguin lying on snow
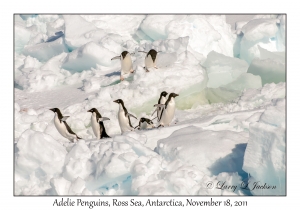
126, 63
168, 110
124, 117
162, 100
145, 123
150, 59
97, 124
62, 126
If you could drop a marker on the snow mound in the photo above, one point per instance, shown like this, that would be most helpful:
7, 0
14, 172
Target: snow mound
89, 168
79, 32
192, 145
22, 36
117, 24
45, 51
88, 56
265, 155
261, 32
39, 151
206, 33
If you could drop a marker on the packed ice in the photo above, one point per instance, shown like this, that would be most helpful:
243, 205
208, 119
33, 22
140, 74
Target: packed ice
228, 134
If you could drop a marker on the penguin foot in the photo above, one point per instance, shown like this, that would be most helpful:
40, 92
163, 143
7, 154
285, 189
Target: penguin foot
121, 78
131, 71
160, 126
155, 67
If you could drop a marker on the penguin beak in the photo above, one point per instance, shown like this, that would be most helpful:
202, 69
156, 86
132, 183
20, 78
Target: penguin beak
89, 111
117, 57
116, 101
176, 95
52, 110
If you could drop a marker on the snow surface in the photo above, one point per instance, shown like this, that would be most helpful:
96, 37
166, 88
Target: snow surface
229, 123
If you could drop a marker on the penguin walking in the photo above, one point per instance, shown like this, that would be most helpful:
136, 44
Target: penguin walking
62, 126
168, 110
124, 117
162, 100
97, 124
126, 63
145, 123
150, 59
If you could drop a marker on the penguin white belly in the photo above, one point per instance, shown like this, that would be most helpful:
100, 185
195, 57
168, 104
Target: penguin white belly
124, 122
144, 125
162, 101
61, 128
149, 62
168, 114
95, 126
126, 65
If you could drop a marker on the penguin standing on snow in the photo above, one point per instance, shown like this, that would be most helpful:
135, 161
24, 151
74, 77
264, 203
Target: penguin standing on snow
145, 123
150, 59
124, 117
97, 124
168, 110
126, 63
162, 100
62, 126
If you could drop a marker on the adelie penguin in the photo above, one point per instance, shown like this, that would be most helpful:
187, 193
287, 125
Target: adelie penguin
162, 100
124, 117
62, 126
150, 59
145, 123
168, 110
97, 124
126, 63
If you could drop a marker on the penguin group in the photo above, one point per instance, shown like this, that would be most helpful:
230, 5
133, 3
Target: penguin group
165, 108
126, 62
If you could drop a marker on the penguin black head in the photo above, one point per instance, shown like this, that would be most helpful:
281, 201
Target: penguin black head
153, 54
146, 120
119, 101
173, 95
92, 110
55, 110
164, 93
142, 119
124, 53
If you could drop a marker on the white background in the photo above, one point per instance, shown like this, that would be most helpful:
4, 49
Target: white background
8, 201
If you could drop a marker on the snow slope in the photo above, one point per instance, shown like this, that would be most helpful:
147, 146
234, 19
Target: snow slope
229, 123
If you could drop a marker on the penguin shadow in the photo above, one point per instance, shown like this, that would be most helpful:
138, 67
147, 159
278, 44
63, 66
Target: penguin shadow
128, 79
115, 73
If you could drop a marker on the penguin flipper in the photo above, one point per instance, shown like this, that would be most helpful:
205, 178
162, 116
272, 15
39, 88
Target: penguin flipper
117, 57
101, 119
130, 115
65, 118
136, 126
154, 111
154, 118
